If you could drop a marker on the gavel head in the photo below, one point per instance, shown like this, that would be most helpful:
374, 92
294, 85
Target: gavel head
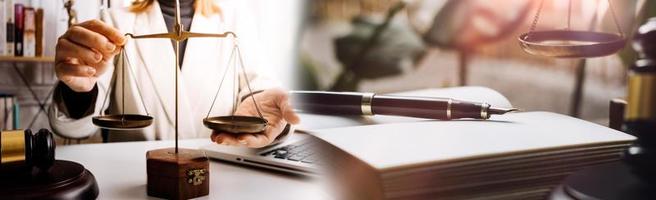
644, 41
21, 151
640, 113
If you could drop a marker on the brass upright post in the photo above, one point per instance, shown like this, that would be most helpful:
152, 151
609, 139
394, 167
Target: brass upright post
177, 66
178, 32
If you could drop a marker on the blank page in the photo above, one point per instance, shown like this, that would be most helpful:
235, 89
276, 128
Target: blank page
394, 145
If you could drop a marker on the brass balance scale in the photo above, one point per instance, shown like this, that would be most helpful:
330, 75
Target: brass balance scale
229, 124
192, 166
569, 43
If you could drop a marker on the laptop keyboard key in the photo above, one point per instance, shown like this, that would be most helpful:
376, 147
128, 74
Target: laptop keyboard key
297, 152
295, 157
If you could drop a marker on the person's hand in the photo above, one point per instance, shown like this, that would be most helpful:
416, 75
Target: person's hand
274, 104
83, 52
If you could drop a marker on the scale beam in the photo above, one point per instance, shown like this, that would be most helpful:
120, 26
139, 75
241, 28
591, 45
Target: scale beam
182, 36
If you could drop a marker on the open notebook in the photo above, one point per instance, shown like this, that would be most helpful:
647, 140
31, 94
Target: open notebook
517, 155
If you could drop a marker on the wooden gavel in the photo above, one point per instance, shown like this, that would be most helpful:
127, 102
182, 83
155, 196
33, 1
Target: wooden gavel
21, 151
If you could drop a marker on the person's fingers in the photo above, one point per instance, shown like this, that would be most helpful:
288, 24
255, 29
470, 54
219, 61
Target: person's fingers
289, 115
287, 110
72, 73
90, 39
255, 140
79, 84
67, 49
104, 29
65, 69
225, 139
118, 50
213, 136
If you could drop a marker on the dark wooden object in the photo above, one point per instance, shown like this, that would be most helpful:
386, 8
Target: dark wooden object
616, 114
610, 181
181, 175
64, 180
577, 93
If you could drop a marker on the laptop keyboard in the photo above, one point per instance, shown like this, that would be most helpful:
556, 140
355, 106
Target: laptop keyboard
303, 151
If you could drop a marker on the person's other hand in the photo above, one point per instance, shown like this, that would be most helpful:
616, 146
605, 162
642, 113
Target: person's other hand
274, 105
83, 52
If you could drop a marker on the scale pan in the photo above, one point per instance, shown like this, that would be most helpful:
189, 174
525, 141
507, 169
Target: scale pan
571, 44
120, 122
236, 124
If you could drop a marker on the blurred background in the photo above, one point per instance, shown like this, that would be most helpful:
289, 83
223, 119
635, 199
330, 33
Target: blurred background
447, 43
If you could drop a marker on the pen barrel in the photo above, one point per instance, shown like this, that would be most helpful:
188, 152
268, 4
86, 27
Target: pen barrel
432, 108
330, 103
352, 103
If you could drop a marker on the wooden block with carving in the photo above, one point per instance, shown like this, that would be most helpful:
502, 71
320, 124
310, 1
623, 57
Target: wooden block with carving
183, 175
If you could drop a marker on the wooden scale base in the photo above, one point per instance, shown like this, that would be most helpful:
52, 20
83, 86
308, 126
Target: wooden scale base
181, 175
64, 180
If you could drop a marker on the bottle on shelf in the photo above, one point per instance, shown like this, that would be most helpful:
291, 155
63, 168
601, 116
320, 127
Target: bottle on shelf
10, 28
18, 29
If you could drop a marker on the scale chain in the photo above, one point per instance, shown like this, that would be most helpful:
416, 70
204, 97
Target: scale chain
225, 72
535, 20
235, 87
134, 78
537, 17
569, 15
122, 61
248, 85
234, 55
112, 84
612, 11
123, 89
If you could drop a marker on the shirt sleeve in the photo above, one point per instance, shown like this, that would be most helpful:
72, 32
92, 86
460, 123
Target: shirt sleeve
71, 119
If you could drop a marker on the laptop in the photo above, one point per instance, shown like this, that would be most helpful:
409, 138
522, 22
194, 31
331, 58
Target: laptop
298, 154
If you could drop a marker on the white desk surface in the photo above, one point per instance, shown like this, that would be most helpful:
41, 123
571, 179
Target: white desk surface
120, 170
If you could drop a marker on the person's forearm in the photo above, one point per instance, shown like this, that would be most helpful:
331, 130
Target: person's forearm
78, 104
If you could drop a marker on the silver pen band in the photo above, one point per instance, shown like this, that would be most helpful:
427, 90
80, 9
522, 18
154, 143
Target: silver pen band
484, 113
448, 109
367, 98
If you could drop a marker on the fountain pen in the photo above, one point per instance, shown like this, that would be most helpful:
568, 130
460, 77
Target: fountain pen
354, 103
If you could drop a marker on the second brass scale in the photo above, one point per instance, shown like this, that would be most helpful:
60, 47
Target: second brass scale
228, 124
569, 43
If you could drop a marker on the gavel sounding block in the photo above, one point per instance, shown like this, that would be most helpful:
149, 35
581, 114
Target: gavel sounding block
64, 180
181, 175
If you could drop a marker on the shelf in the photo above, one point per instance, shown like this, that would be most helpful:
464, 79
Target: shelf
40, 59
